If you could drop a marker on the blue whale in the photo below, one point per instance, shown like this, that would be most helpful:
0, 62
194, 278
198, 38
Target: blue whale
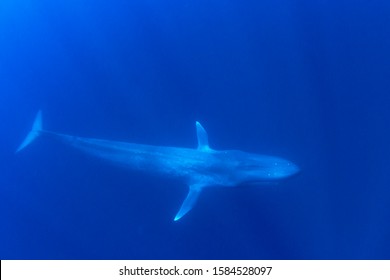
198, 168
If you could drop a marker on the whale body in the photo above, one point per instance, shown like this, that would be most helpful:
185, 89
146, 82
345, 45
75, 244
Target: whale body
198, 168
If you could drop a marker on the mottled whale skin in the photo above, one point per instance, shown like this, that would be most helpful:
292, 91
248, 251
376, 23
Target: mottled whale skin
197, 168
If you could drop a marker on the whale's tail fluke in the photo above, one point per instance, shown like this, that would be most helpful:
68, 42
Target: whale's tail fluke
34, 133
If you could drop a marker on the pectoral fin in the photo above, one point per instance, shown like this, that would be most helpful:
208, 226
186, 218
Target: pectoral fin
189, 202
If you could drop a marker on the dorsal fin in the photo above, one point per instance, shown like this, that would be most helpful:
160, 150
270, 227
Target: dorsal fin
203, 141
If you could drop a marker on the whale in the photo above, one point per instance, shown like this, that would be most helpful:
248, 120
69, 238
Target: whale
197, 168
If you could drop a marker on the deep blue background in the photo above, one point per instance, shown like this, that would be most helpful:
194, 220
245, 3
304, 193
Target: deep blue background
305, 80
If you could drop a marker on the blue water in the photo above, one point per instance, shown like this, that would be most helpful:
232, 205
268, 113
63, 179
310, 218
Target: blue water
304, 80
